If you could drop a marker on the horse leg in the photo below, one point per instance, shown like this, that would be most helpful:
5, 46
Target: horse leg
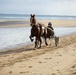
40, 42
39, 37
31, 38
46, 41
45, 36
36, 42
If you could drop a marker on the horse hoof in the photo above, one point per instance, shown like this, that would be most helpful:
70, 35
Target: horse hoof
39, 47
46, 44
56, 45
32, 40
34, 49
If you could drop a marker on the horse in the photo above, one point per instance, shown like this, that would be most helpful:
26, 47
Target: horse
37, 31
45, 32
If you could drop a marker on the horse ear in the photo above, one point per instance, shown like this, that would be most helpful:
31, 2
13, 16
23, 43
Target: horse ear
34, 15
31, 15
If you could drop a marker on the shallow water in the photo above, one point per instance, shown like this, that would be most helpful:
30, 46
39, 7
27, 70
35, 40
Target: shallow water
10, 37
59, 31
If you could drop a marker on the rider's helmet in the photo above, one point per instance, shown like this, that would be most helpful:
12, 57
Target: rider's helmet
49, 24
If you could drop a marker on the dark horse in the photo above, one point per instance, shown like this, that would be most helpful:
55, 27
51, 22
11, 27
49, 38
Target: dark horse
37, 31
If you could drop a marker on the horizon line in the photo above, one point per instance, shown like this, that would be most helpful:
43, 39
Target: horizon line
35, 14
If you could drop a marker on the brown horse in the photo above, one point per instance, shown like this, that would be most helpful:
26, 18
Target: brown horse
33, 22
37, 31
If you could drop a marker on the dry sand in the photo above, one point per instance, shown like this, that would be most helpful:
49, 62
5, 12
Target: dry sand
48, 60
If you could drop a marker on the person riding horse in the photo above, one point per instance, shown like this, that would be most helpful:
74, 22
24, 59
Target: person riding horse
50, 25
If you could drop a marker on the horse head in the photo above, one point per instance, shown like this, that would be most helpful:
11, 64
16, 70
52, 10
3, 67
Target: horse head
32, 20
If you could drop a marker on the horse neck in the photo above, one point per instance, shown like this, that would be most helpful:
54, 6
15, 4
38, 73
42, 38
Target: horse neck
34, 21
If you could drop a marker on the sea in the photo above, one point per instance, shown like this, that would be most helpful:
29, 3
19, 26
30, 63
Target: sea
39, 17
12, 37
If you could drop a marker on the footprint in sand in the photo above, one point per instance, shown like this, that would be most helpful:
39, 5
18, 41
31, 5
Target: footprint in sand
10, 72
39, 62
60, 55
42, 62
74, 66
47, 58
30, 66
50, 58
22, 72
74, 73
57, 62
57, 70
53, 74
73, 55
73, 49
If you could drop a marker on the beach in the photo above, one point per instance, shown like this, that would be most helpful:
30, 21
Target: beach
24, 23
48, 60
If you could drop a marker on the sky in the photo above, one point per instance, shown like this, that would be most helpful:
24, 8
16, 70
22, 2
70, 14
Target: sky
40, 7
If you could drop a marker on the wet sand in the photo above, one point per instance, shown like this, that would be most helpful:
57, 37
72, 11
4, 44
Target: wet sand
50, 60
60, 23
13, 23
24, 23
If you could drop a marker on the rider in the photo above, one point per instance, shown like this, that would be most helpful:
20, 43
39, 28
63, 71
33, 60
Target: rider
50, 25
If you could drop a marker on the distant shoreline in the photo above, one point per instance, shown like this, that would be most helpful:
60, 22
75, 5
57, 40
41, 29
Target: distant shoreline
39, 17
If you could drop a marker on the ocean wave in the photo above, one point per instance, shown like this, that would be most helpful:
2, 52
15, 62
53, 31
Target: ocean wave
43, 17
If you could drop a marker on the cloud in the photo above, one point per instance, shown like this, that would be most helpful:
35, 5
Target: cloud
62, 7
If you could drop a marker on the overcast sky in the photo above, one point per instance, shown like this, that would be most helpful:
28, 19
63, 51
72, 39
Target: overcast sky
45, 7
